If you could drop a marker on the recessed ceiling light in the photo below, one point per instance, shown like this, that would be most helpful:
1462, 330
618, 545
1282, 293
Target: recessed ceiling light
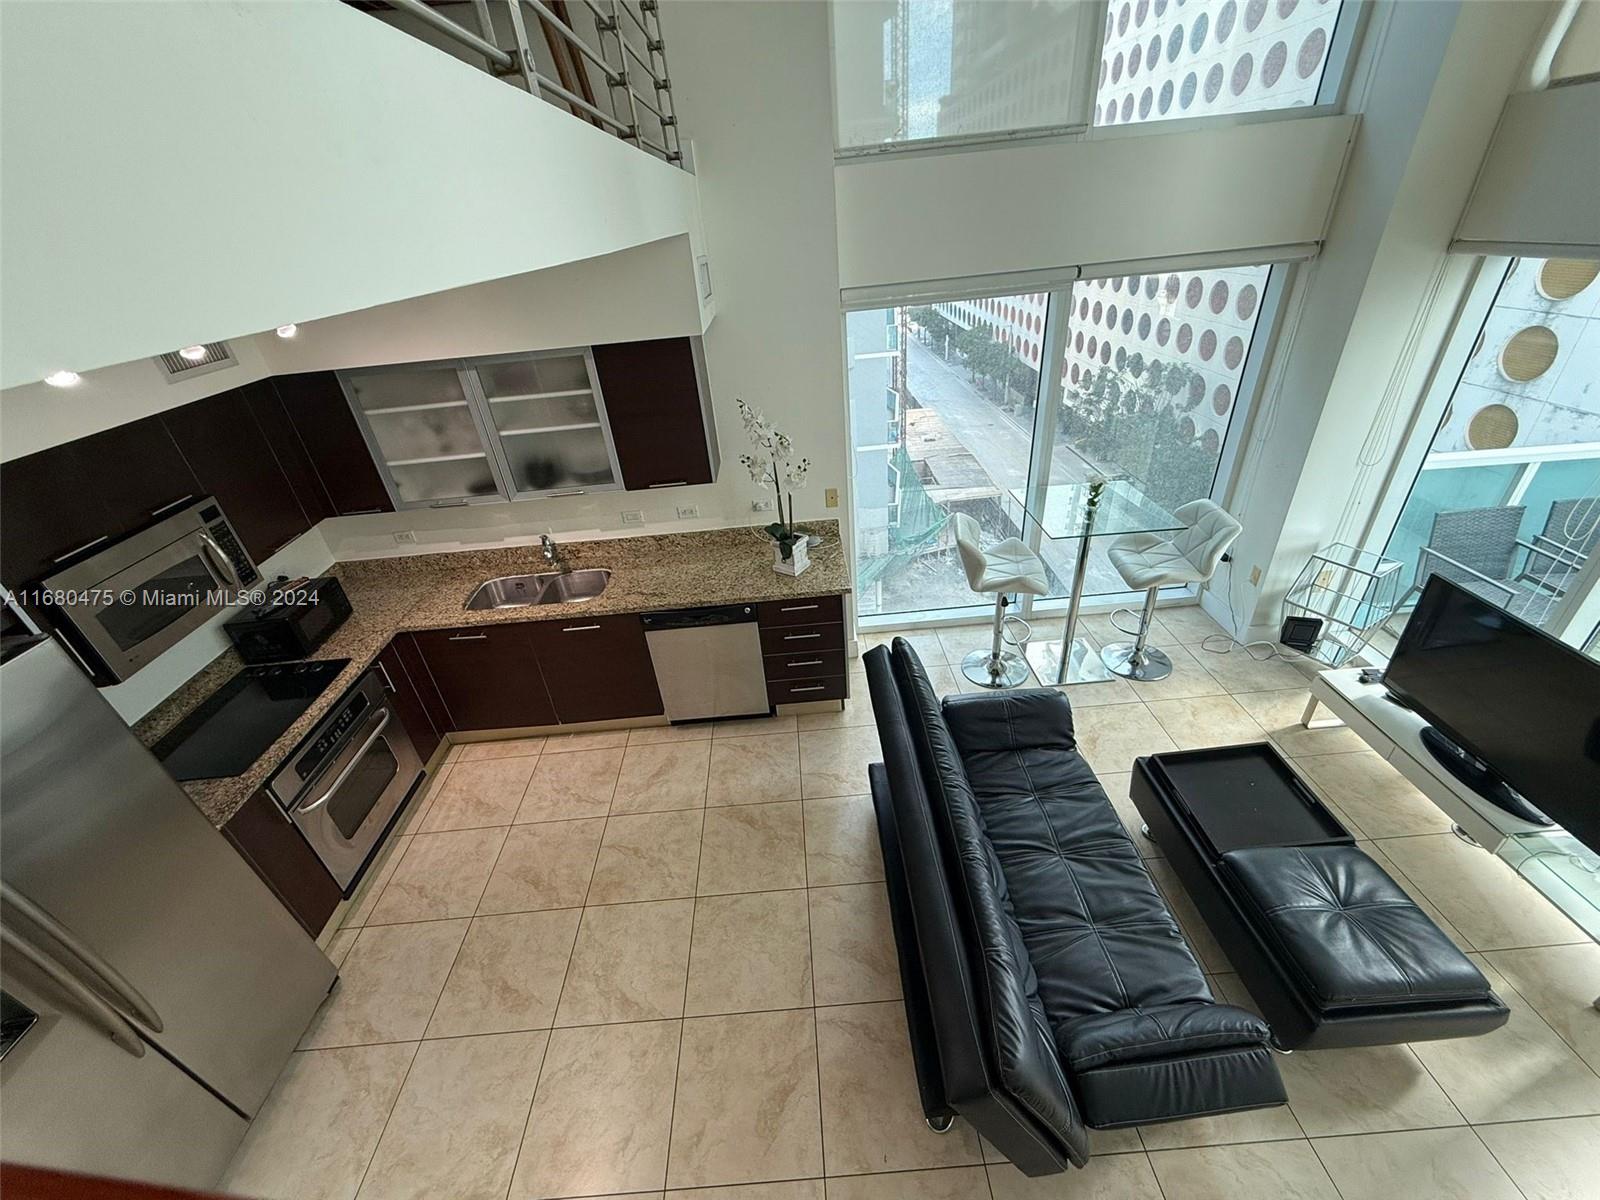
288, 331
193, 353
63, 379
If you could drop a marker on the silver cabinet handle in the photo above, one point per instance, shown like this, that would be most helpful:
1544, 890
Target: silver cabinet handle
469, 637
348, 767
810, 687
218, 558
110, 978
362, 512
181, 500
805, 662
799, 637
461, 503
388, 684
577, 628
102, 1014
104, 537
669, 483
799, 607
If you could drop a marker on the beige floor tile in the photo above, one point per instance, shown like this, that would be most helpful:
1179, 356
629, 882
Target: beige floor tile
1279, 714
754, 726
1520, 1072
1188, 679
1548, 1160
1258, 1125
1199, 935
652, 735
928, 643
1113, 736
945, 681
652, 856
663, 777
599, 739
1107, 1177
442, 875
750, 952
388, 986
1097, 695
1240, 671
871, 1115
316, 1131
1377, 798
508, 975
746, 1109
479, 794
1482, 897
629, 964
794, 1189
857, 711
338, 947
1187, 624
833, 762
543, 866
1206, 721
570, 786
852, 944
1116, 786
952, 1183
1561, 983
1422, 1164
752, 848
842, 841
1279, 1170
458, 1123
601, 1114
754, 770
501, 748
378, 876
1367, 1089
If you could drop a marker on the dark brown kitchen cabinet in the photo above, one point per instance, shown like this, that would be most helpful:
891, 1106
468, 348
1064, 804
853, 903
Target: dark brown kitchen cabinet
263, 834
487, 676
597, 668
230, 456
660, 417
405, 645
278, 428
327, 430
407, 700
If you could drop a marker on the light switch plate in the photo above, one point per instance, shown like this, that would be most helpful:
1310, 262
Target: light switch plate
762, 505
1255, 574
406, 537
687, 512
633, 516
831, 497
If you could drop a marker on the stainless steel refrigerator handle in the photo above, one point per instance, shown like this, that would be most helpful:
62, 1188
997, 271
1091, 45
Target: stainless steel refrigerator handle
111, 978
102, 1014
227, 565
348, 767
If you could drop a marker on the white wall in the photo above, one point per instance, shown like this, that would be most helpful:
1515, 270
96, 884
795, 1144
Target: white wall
208, 169
1116, 197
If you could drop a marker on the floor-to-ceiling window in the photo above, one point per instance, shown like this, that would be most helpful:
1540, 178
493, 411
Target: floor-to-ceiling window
1507, 501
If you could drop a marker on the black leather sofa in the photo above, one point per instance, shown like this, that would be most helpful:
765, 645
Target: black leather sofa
1048, 989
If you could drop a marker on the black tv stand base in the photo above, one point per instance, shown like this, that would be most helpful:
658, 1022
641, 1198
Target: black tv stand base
1480, 778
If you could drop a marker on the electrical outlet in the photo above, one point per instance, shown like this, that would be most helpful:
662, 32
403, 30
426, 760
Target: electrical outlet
831, 497
1255, 574
687, 512
761, 505
633, 516
406, 537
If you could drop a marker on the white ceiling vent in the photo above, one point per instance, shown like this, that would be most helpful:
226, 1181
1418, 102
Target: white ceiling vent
196, 360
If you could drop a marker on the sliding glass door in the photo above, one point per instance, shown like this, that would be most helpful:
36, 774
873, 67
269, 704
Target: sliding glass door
971, 404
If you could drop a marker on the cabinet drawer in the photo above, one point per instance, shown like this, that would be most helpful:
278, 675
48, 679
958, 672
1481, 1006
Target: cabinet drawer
804, 664
786, 639
795, 691
809, 610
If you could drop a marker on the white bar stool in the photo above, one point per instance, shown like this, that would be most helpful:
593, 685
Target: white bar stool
1005, 570
1151, 562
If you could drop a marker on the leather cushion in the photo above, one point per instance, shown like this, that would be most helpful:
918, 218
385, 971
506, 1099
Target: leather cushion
1021, 1039
1142, 1034
1347, 932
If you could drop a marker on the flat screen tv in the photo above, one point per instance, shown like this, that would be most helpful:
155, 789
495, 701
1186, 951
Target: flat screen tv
1515, 713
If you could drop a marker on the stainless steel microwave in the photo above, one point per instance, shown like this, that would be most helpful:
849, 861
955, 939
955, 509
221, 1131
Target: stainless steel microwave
138, 597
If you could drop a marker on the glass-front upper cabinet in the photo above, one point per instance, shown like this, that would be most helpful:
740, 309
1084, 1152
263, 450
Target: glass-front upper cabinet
511, 427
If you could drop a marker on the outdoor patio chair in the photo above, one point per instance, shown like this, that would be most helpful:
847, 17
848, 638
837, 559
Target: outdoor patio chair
1559, 550
1477, 548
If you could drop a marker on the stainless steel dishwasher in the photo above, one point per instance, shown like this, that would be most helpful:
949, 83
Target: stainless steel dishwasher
708, 662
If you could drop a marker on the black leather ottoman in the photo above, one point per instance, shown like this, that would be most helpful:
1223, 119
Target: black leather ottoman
1331, 949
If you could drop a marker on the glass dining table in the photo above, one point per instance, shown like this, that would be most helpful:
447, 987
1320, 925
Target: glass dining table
1061, 513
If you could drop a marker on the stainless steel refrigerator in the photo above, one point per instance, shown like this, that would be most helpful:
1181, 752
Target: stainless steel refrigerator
153, 986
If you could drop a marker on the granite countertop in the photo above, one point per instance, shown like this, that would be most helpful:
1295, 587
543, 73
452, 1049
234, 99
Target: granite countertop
429, 591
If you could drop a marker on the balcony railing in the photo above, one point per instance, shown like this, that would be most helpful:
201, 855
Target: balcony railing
627, 52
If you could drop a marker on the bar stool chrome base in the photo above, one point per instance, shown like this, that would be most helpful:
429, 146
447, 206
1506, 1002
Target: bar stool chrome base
981, 668
1127, 660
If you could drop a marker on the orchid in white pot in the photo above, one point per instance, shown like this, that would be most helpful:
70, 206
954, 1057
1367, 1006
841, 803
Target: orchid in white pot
774, 464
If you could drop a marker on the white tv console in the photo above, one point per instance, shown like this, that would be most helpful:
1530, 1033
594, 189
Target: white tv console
1558, 866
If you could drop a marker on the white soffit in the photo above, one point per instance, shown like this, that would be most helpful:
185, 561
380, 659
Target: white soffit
1538, 191
1254, 193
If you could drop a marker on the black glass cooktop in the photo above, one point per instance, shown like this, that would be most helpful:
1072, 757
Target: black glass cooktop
232, 729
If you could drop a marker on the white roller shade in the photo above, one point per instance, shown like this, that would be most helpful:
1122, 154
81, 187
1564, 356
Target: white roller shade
1538, 191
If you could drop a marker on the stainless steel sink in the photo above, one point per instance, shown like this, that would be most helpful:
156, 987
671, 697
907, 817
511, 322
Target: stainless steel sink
548, 587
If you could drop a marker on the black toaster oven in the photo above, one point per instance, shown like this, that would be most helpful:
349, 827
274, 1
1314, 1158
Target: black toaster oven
298, 619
